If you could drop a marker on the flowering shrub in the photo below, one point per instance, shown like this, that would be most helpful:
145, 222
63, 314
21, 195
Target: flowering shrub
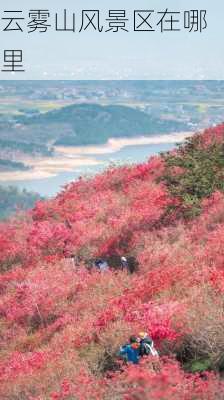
61, 324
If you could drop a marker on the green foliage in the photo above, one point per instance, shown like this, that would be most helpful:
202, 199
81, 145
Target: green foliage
202, 173
198, 365
12, 199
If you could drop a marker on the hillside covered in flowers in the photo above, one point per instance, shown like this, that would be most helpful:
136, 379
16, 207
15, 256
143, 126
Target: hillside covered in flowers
62, 324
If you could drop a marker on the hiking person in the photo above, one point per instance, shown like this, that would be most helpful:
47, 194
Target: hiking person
146, 345
130, 352
101, 265
124, 263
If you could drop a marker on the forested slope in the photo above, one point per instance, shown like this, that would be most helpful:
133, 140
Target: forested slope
62, 325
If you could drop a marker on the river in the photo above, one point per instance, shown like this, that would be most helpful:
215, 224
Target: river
93, 160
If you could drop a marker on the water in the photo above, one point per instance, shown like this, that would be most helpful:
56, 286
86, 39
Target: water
127, 155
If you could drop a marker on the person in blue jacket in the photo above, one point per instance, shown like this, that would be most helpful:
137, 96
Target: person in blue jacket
130, 352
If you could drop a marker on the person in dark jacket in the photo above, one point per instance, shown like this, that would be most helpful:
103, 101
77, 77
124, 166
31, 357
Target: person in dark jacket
124, 263
130, 352
101, 265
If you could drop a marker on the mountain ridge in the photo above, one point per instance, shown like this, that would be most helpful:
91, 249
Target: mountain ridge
95, 124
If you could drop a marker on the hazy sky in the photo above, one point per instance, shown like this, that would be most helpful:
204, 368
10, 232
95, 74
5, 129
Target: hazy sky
132, 55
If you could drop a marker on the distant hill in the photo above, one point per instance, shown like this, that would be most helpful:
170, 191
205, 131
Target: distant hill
7, 165
19, 143
93, 124
74, 125
12, 199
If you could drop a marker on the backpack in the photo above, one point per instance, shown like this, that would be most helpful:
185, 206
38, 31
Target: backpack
149, 349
